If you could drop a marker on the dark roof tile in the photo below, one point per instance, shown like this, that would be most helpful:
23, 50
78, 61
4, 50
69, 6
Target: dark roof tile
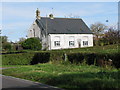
63, 26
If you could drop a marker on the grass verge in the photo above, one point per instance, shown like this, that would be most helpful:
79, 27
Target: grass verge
68, 76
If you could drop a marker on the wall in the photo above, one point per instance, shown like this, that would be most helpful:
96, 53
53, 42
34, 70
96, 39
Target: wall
32, 33
65, 38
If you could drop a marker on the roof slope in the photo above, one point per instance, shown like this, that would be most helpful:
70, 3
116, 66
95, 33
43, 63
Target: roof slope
63, 26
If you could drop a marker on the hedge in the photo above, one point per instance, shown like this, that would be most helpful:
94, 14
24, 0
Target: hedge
92, 58
43, 57
17, 59
31, 58
40, 58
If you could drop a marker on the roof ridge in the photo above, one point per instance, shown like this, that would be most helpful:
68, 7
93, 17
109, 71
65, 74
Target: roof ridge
62, 18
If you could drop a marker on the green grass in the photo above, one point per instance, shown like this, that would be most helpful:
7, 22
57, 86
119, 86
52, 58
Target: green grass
68, 76
99, 49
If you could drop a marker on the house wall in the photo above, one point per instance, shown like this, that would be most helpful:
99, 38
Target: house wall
65, 38
34, 31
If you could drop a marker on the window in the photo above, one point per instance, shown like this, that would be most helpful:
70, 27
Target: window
71, 43
85, 43
57, 43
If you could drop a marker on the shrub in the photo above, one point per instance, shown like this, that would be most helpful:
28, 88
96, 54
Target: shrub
32, 43
17, 59
115, 57
6, 46
40, 58
75, 57
58, 57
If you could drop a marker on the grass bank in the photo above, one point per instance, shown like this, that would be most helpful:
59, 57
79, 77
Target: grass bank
68, 76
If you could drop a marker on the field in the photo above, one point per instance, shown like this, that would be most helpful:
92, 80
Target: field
68, 76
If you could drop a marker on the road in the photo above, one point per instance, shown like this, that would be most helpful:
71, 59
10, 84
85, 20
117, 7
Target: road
12, 83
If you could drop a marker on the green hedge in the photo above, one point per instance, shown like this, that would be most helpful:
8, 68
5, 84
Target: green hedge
43, 57
56, 57
91, 58
31, 58
40, 58
17, 59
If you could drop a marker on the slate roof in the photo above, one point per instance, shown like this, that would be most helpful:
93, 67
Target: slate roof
63, 26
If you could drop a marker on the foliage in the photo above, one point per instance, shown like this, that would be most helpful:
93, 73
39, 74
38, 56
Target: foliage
112, 36
57, 57
70, 76
97, 29
92, 58
32, 43
5, 44
60, 57
17, 59
40, 58
3, 39
21, 40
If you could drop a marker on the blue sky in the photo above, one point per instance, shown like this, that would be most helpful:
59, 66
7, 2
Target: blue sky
18, 16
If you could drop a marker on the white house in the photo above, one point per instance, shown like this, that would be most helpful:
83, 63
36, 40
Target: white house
61, 33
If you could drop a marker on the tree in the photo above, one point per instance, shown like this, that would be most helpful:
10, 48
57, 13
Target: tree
5, 44
3, 39
21, 40
32, 43
98, 30
112, 36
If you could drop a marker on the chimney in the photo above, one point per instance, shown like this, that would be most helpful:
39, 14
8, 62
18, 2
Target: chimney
51, 16
37, 14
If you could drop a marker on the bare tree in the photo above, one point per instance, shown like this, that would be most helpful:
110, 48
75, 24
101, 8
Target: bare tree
98, 30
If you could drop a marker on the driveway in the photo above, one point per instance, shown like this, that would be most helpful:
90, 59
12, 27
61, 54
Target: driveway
12, 83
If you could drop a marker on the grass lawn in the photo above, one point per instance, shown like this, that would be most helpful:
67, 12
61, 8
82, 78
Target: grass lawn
68, 76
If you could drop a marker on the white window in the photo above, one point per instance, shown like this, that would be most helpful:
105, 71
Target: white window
71, 43
85, 43
57, 43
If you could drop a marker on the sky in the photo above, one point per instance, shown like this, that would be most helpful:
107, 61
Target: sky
17, 17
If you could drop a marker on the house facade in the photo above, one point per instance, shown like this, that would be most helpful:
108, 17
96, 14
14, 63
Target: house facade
60, 33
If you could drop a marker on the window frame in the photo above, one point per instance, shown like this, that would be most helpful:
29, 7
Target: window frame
85, 43
57, 43
71, 43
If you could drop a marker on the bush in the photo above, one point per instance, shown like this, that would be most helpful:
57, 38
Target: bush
75, 57
40, 58
115, 57
92, 58
17, 59
57, 57
6, 46
32, 43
